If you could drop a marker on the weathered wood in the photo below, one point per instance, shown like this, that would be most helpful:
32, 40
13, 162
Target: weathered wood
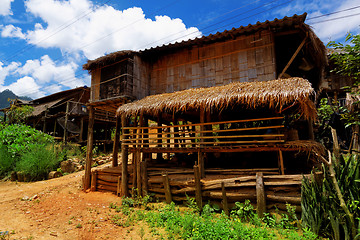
101, 182
281, 162
336, 146
144, 178
66, 120
260, 195
201, 164
93, 181
231, 196
167, 189
198, 196
138, 172
81, 135
116, 142
212, 123
124, 159
134, 172
107, 188
118, 187
89, 148
224, 199
278, 198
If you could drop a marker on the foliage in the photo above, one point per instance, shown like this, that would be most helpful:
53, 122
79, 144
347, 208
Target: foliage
185, 224
18, 114
347, 63
38, 162
18, 139
244, 211
7, 163
347, 59
321, 210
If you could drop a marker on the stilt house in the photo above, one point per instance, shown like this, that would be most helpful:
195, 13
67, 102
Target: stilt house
211, 117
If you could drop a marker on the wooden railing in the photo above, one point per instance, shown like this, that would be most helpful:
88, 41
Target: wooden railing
261, 131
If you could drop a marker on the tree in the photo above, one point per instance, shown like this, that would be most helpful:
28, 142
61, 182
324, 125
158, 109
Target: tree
18, 114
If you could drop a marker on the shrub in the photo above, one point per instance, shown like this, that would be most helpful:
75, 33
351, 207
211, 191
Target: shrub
7, 163
20, 138
38, 162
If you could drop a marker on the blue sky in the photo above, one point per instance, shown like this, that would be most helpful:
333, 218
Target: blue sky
44, 43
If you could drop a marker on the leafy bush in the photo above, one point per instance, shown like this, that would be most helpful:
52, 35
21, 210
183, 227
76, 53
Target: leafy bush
18, 139
7, 163
38, 162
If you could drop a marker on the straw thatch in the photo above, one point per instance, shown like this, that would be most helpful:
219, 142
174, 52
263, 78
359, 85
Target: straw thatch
275, 94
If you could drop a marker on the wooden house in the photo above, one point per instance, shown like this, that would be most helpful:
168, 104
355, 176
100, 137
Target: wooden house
213, 102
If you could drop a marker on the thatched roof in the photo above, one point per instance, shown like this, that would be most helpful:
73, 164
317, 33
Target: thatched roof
314, 46
275, 94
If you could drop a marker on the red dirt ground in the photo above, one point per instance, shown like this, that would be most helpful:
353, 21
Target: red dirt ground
59, 210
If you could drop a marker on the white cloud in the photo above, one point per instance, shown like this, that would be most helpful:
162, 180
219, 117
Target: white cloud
25, 86
12, 31
7, 70
103, 30
5, 7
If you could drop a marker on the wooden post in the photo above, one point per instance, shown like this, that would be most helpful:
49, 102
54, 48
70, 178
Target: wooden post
281, 162
311, 130
144, 178
93, 181
198, 196
260, 195
134, 170
201, 163
224, 199
44, 126
118, 187
89, 148
116, 142
138, 171
81, 129
124, 159
166, 182
159, 141
66, 120
54, 134
201, 140
336, 147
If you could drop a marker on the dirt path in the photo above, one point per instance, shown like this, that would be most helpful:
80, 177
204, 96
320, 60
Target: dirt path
58, 209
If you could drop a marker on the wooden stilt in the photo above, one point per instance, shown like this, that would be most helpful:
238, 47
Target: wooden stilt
93, 181
166, 182
54, 133
260, 195
224, 199
81, 135
118, 187
124, 159
66, 120
134, 170
281, 162
44, 126
198, 194
138, 171
116, 142
144, 178
89, 149
201, 164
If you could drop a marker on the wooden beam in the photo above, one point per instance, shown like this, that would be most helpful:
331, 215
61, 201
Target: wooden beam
116, 142
93, 181
81, 129
293, 57
89, 148
201, 163
138, 171
124, 159
260, 195
144, 178
66, 120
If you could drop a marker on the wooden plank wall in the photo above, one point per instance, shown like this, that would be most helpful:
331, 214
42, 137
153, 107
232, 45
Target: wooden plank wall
141, 75
245, 59
95, 85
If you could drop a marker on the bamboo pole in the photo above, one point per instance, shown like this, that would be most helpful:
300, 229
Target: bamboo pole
124, 159
89, 148
260, 195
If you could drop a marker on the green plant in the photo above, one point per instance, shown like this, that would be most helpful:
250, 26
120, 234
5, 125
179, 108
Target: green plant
7, 163
18, 114
79, 225
4, 235
191, 203
244, 211
38, 162
269, 220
